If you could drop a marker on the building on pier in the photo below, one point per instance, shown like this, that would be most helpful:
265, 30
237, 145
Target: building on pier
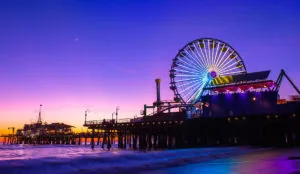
39, 128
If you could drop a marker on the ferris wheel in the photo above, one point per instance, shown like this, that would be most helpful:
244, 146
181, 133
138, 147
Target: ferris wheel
198, 63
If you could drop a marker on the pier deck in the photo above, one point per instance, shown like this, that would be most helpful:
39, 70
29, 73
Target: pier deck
160, 132
149, 133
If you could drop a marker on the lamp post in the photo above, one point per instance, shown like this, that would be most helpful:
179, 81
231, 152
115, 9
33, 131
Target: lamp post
13, 132
117, 109
85, 115
112, 116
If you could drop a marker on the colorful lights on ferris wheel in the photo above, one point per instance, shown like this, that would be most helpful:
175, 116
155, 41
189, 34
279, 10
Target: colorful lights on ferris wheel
198, 63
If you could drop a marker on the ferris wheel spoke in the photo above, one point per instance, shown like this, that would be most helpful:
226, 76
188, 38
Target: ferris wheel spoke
198, 92
219, 58
228, 60
196, 57
203, 54
194, 83
225, 67
238, 64
200, 59
184, 84
188, 65
192, 60
189, 100
233, 68
183, 75
184, 88
213, 55
227, 70
184, 72
198, 63
222, 58
190, 94
206, 54
186, 69
183, 80
217, 53
188, 61
211, 48
208, 50
210, 53
191, 86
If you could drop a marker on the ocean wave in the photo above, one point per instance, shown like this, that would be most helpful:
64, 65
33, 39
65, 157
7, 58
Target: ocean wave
82, 159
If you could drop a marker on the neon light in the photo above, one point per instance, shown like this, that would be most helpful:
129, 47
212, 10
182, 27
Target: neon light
201, 62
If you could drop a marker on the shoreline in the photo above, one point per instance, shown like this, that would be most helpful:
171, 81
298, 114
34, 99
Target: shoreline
117, 161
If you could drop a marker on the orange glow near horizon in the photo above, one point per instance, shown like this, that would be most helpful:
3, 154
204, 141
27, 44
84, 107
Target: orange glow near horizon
16, 113
75, 56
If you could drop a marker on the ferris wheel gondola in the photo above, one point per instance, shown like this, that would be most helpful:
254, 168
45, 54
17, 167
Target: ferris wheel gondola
198, 63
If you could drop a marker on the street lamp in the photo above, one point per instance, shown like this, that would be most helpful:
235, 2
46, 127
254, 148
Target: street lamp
112, 116
117, 109
85, 115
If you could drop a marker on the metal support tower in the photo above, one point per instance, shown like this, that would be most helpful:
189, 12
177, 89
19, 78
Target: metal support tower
279, 80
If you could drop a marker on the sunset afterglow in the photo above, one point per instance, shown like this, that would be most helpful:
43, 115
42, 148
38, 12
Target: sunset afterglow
97, 55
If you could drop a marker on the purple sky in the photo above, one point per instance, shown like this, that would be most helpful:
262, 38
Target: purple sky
71, 55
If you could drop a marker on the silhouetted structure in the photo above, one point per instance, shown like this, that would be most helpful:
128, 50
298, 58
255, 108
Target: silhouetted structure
235, 110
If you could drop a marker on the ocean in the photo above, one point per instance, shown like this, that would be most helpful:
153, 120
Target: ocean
82, 159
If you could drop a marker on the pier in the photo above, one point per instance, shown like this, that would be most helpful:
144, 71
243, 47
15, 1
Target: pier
173, 130
237, 108
61, 139
164, 133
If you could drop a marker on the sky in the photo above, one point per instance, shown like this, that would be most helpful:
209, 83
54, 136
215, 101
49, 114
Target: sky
73, 55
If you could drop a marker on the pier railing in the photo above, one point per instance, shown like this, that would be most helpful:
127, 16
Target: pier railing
110, 121
124, 120
93, 122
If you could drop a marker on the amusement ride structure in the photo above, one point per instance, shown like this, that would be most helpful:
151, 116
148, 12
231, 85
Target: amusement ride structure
217, 102
211, 67
198, 63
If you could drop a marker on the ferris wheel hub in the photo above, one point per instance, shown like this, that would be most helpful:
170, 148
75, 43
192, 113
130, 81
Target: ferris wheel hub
211, 75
